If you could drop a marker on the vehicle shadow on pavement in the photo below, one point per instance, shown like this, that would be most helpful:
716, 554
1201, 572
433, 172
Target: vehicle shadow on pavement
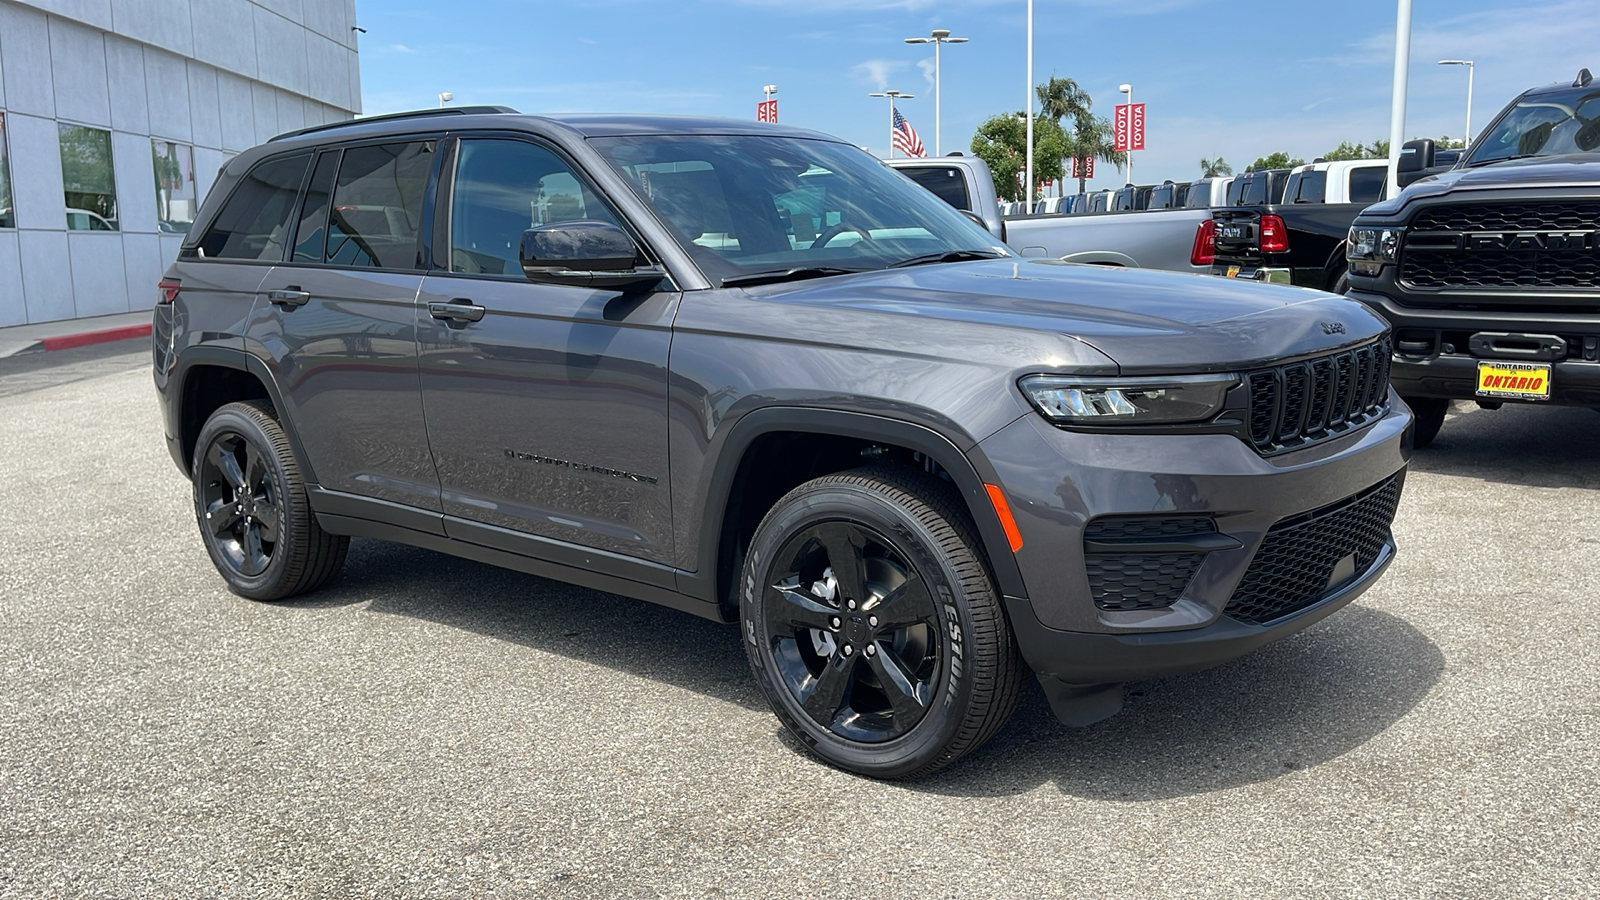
1299, 703
627, 635
1524, 445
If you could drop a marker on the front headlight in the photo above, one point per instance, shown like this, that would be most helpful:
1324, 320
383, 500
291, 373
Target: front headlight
1153, 400
1370, 249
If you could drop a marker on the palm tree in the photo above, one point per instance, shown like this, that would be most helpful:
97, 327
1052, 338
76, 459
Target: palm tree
1211, 168
1093, 138
1061, 98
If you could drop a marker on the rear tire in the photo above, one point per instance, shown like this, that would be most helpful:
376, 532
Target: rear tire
251, 504
1429, 413
873, 626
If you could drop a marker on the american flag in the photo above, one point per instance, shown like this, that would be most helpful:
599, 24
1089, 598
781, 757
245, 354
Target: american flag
905, 137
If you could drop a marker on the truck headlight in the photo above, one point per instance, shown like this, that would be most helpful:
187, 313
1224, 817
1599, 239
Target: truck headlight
1370, 249
1152, 400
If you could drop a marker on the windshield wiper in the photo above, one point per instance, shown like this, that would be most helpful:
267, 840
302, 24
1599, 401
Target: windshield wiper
947, 256
795, 274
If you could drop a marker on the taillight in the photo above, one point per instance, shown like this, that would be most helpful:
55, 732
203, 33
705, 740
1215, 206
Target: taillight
1274, 236
1205, 244
169, 289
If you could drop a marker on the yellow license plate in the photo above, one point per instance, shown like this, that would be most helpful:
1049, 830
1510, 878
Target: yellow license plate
1514, 381
1233, 271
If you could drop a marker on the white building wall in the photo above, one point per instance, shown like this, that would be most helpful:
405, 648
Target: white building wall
218, 75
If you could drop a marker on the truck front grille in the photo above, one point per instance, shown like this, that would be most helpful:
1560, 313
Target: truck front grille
1305, 402
1297, 562
1550, 246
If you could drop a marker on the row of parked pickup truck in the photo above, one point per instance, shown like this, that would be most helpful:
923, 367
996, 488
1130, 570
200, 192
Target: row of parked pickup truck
1488, 268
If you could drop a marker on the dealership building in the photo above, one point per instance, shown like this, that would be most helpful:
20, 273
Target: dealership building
115, 116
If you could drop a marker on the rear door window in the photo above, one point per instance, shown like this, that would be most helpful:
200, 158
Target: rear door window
945, 183
1308, 187
377, 206
1367, 184
254, 223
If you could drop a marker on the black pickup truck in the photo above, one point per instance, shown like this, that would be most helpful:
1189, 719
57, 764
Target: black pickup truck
1490, 270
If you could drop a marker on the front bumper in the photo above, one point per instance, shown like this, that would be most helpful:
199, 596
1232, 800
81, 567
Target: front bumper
1058, 481
1574, 381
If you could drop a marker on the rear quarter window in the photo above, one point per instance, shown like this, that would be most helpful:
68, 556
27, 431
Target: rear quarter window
945, 183
1367, 184
254, 222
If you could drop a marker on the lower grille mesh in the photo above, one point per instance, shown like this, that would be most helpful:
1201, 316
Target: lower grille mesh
1296, 561
1135, 581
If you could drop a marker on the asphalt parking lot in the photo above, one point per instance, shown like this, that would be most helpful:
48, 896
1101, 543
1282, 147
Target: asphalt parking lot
433, 727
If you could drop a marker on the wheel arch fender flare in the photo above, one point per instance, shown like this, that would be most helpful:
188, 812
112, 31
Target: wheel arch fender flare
242, 361
968, 470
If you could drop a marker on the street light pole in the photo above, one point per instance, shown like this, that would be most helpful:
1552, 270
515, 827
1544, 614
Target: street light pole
1027, 185
1470, 67
1128, 89
892, 95
1397, 105
445, 97
939, 36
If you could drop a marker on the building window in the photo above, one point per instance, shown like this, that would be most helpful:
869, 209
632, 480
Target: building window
175, 189
91, 187
8, 216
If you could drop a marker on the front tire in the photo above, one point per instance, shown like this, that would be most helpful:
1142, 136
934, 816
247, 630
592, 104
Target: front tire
251, 504
873, 626
1429, 413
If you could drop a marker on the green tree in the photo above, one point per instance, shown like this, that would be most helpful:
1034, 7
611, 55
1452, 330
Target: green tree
1449, 143
1278, 160
1062, 98
1346, 150
1211, 168
1002, 141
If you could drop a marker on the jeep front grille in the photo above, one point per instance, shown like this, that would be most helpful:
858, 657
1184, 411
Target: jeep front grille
1302, 403
1297, 562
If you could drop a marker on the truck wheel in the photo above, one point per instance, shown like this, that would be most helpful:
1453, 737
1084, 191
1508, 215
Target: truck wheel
251, 503
872, 624
1429, 413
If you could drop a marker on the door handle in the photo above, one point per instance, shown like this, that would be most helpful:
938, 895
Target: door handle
457, 310
290, 297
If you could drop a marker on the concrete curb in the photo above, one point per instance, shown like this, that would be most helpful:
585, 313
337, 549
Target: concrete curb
68, 341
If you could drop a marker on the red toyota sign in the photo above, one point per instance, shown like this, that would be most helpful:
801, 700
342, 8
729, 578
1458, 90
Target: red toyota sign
1083, 168
1128, 128
767, 111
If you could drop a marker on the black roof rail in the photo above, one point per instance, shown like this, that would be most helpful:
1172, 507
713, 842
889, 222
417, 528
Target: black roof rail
391, 117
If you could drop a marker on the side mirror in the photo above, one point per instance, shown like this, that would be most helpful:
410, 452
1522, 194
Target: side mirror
584, 254
1416, 158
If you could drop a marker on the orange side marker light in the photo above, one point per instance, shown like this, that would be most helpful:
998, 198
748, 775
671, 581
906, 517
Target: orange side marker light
1003, 510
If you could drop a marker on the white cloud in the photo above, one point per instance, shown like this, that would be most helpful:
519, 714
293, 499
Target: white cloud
876, 72
926, 65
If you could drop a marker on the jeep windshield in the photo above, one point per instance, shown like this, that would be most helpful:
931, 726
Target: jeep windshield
753, 208
1544, 124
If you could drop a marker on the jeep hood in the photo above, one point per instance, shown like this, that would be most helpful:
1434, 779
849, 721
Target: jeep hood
1144, 320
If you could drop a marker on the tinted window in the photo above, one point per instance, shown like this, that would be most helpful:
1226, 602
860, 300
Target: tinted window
503, 188
946, 184
1180, 195
377, 205
7, 216
1252, 189
254, 223
1234, 188
1546, 123
311, 238
88, 178
1367, 184
1308, 187
1200, 194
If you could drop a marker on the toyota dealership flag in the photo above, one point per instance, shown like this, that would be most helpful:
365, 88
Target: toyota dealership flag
1128, 129
905, 137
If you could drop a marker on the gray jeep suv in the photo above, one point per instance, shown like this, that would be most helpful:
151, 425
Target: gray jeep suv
749, 372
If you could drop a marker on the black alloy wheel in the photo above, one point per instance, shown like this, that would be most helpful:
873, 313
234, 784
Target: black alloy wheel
254, 513
857, 636
873, 626
238, 503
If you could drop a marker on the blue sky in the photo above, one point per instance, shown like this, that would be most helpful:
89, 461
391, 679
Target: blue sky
1238, 79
